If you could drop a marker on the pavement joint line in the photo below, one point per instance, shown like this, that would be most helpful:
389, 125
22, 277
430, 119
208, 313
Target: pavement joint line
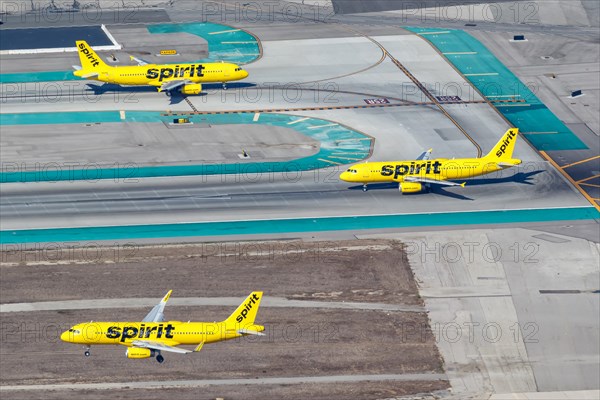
581, 161
424, 376
590, 184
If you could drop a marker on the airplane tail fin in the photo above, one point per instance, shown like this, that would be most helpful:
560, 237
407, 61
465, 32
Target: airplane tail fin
90, 61
245, 314
503, 150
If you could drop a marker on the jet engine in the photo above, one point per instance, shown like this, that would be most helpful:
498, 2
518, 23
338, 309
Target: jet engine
194, 88
410, 187
136, 352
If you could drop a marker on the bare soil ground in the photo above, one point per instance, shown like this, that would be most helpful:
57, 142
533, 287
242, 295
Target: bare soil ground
298, 341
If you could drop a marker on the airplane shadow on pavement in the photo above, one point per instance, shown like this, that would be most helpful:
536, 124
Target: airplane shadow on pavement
520, 177
175, 98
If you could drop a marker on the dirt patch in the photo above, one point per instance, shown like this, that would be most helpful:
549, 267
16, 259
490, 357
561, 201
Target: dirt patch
299, 342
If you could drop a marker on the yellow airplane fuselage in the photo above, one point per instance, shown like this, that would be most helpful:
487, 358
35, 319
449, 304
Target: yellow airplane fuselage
438, 169
157, 74
415, 175
185, 77
153, 335
172, 333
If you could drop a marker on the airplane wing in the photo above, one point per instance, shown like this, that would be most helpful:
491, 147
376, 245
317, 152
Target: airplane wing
156, 314
174, 84
159, 346
413, 178
85, 76
139, 61
425, 155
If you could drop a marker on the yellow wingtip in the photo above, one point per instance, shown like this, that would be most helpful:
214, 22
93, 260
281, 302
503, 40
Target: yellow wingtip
199, 347
164, 300
463, 184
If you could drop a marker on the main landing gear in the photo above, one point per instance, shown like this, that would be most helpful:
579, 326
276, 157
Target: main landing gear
160, 358
365, 187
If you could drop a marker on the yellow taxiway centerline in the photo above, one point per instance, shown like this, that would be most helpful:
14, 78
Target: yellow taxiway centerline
581, 161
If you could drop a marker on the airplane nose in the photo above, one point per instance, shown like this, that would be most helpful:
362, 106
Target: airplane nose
344, 176
245, 74
65, 336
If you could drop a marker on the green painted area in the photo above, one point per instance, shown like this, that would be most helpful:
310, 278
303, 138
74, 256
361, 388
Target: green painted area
233, 45
338, 145
224, 42
495, 81
46, 76
278, 226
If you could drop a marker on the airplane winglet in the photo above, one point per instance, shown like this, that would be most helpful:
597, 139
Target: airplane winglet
166, 298
463, 184
199, 347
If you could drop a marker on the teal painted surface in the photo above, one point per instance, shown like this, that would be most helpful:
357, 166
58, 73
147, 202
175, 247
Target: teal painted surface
238, 53
532, 117
336, 141
294, 225
47, 76
225, 43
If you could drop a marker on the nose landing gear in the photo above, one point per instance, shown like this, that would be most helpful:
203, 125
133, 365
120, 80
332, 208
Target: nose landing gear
87, 352
365, 187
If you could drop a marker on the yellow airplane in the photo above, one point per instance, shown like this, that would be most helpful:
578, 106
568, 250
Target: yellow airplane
153, 335
187, 78
415, 175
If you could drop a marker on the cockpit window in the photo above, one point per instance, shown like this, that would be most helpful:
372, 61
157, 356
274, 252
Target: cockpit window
352, 170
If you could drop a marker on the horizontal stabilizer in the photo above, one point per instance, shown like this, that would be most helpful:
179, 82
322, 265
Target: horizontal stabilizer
139, 61
250, 332
508, 164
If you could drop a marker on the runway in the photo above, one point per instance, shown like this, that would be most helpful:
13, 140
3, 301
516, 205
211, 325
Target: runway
270, 196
